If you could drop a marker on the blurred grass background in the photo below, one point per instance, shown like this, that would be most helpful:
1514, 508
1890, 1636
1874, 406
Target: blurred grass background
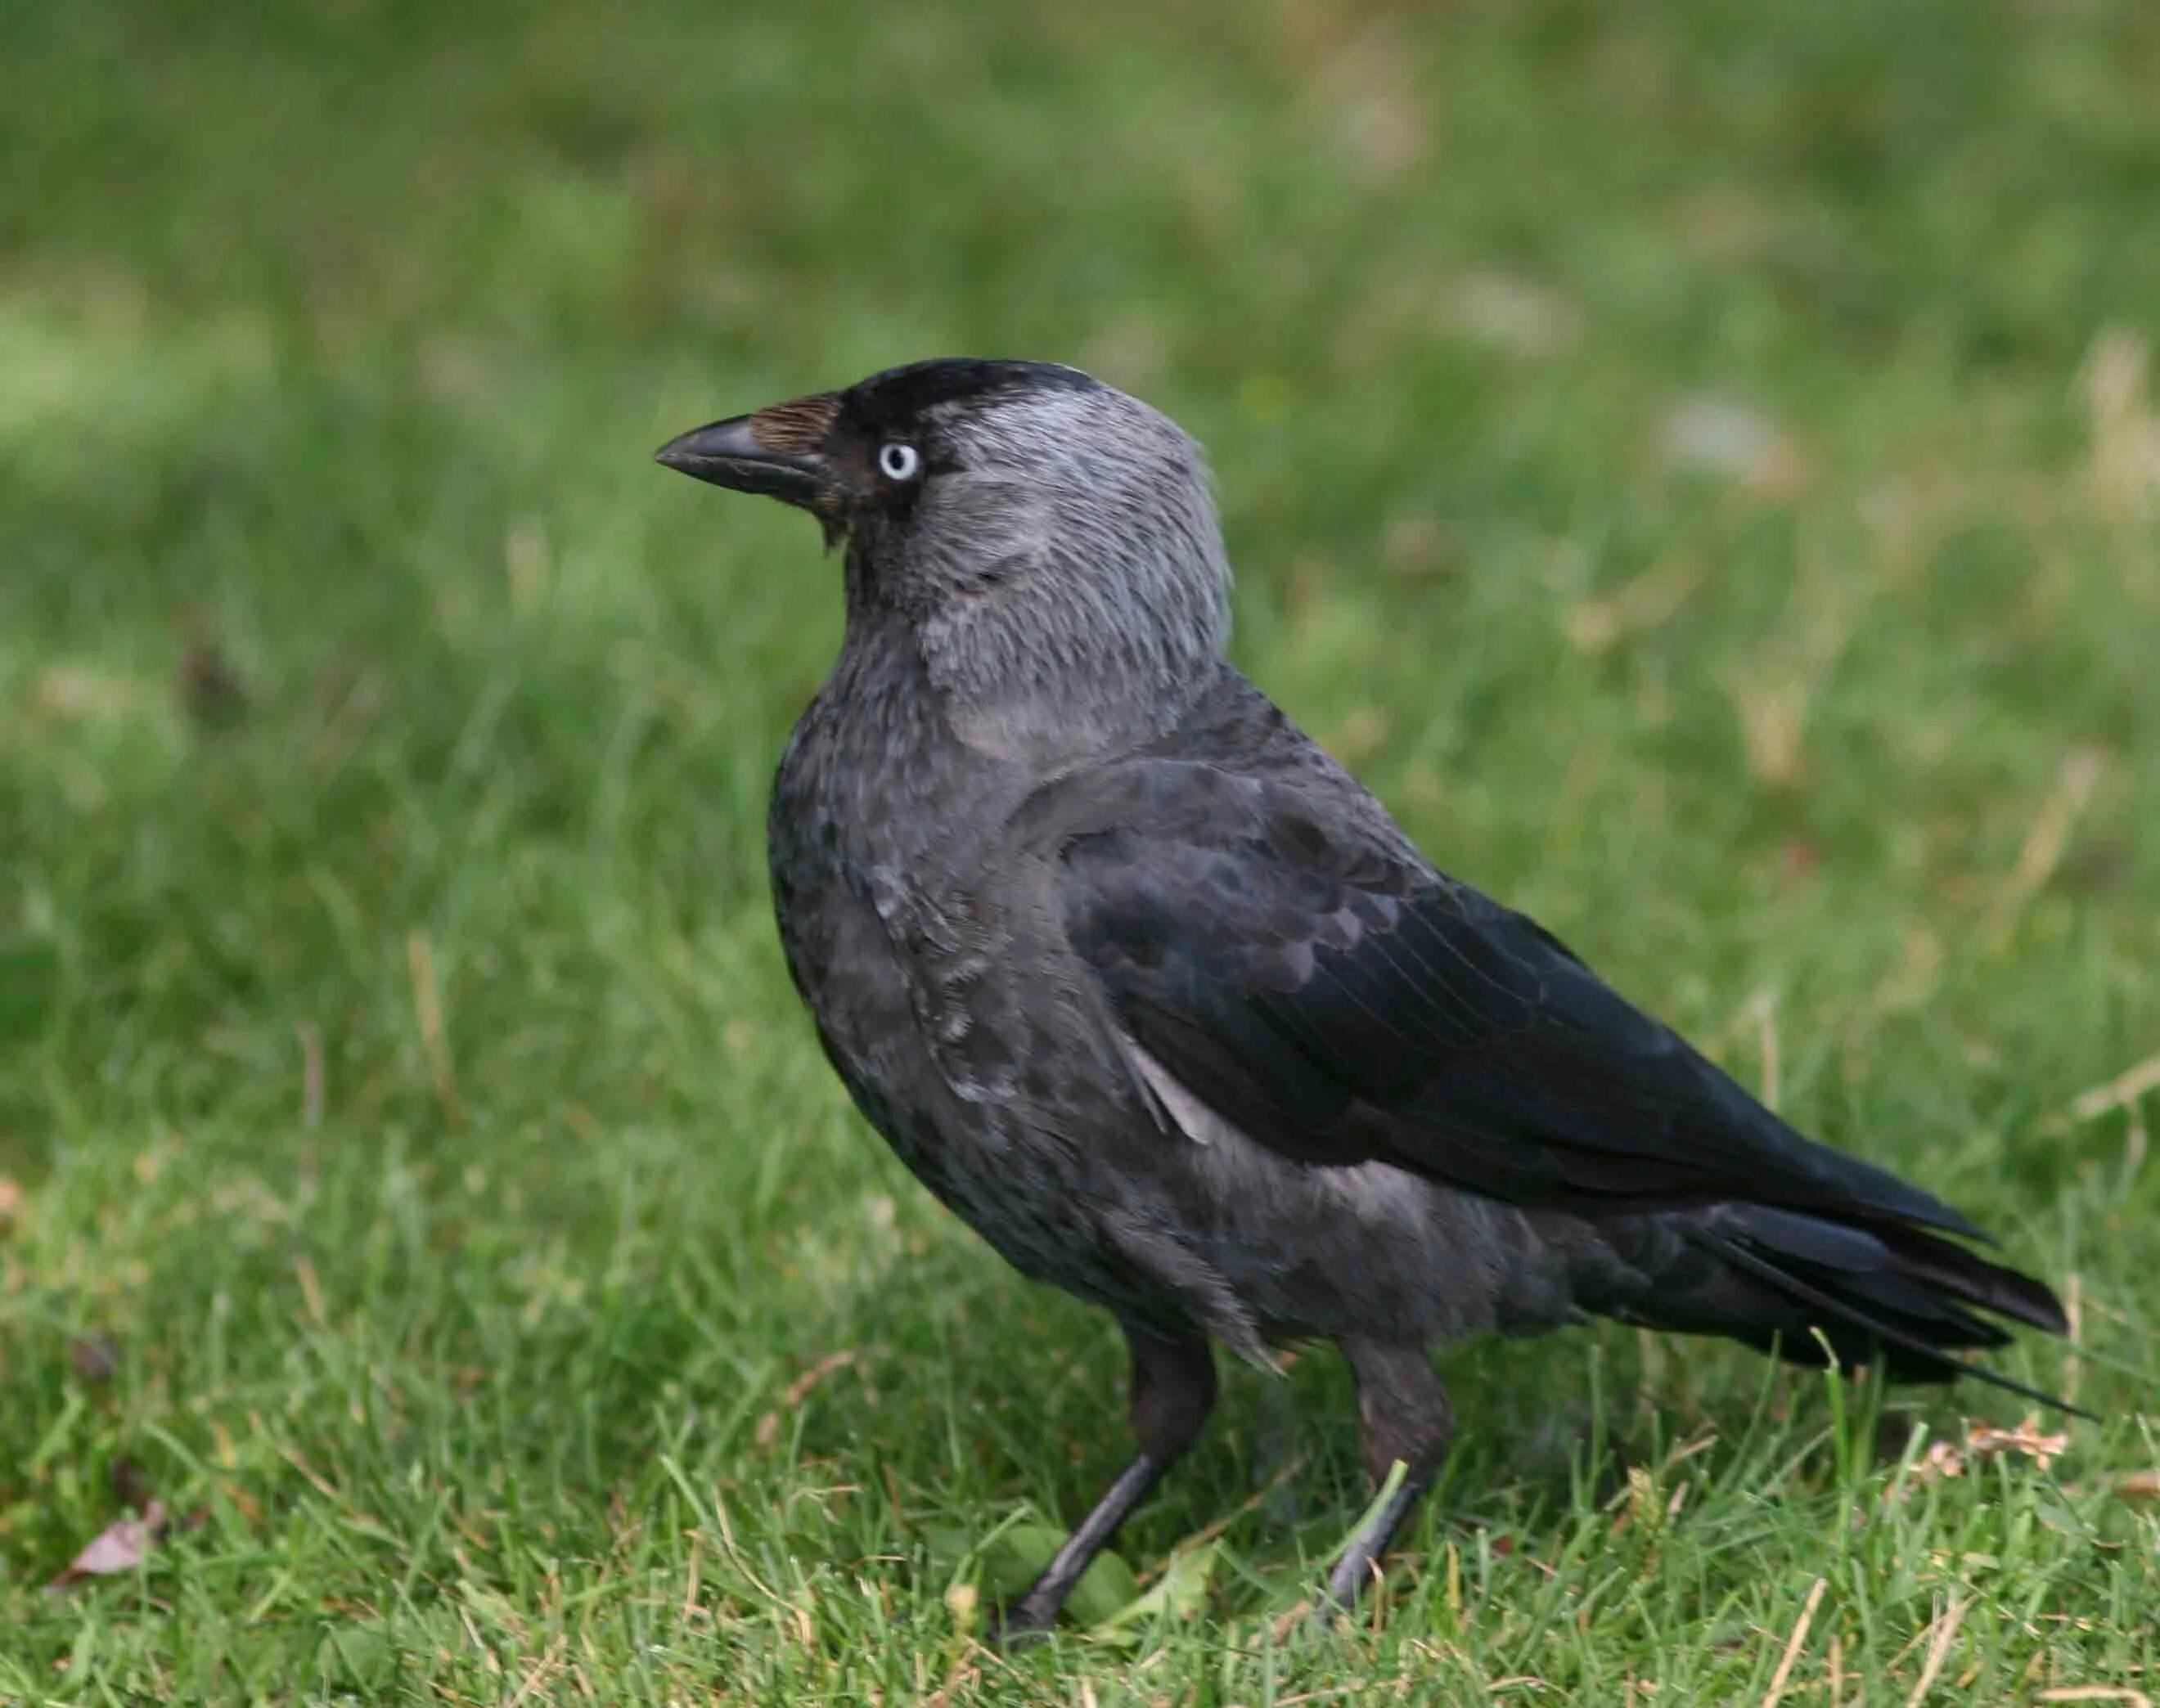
1701, 465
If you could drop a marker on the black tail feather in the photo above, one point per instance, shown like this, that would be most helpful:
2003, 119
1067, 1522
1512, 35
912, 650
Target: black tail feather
1892, 1293
1991, 1286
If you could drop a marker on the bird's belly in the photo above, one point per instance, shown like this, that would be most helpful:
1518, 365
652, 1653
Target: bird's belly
1362, 1249
1369, 1249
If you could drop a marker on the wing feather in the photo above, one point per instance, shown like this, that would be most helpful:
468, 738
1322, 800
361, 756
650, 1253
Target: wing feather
1314, 981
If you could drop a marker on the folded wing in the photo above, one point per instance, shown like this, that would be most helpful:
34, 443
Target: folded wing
1339, 999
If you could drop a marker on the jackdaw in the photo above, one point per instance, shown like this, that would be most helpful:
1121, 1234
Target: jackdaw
1147, 989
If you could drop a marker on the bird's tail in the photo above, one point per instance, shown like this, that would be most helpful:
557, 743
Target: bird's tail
1811, 1287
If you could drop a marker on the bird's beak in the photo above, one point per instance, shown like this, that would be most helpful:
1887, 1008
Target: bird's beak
778, 451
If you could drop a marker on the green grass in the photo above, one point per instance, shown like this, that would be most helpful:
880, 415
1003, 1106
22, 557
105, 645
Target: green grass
396, 1068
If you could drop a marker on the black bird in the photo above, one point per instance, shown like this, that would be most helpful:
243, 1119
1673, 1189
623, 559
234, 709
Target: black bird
1150, 991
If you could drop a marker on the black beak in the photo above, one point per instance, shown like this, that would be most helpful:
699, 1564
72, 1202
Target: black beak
733, 453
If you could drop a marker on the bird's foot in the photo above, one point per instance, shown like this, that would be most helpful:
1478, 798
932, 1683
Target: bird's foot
1338, 1603
1023, 1624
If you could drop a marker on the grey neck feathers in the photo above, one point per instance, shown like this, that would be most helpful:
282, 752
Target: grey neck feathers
1066, 586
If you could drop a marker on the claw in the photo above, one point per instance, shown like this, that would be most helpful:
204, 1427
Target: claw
1018, 1627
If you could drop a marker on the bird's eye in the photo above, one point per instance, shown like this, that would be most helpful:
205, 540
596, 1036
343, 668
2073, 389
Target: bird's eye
900, 462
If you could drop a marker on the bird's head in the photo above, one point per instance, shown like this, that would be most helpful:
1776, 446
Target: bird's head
1049, 543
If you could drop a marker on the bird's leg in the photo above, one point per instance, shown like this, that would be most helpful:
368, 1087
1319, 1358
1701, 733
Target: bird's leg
1173, 1392
1406, 1419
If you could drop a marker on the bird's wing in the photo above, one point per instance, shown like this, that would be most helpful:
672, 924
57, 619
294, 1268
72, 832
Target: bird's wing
1287, 956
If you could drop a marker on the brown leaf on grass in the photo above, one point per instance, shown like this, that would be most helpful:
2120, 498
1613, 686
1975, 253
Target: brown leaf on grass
2139, 1485
1941, 1460
126, 1543
121, 1546
1983, 1443
11, 1201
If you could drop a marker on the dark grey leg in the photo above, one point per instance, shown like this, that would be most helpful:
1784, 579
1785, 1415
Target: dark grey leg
1173, 1392
1406, 1418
